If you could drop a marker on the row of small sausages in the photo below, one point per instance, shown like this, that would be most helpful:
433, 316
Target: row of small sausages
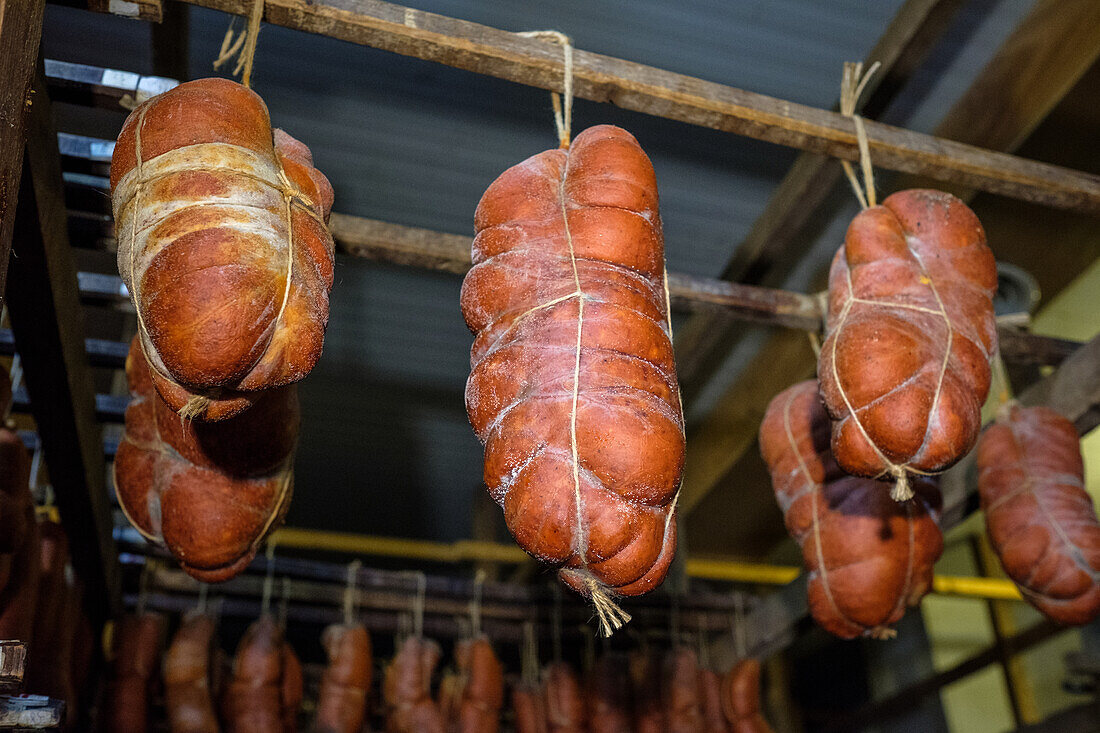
263, 690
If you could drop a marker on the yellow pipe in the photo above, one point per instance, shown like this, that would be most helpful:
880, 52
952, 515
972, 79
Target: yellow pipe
734, 571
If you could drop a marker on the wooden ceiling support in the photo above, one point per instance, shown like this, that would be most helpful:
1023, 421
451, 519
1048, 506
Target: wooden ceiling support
47, 323
502, 54
20, 34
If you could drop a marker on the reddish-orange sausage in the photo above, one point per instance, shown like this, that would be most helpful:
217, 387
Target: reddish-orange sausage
138, 642
253, 699
904, 368
573, 386
189, 699
1040, 518
209, 492
683, 701
609, 695
741, 698
406, 688
223, 244
342, 702
868, 556
565, 709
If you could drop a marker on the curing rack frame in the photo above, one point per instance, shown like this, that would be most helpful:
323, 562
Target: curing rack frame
66, 410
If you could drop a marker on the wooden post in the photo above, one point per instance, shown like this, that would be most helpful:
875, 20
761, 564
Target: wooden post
46, 317
20, 33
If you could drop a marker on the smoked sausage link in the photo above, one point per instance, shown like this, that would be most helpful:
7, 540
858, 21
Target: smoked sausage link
223, 245
1040, 519
573, 385
137, 646
741, 698
342, 702
188, 668
905, 366
867, 556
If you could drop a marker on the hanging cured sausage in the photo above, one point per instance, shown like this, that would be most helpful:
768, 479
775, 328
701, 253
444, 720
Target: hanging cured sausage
648, 689
565, 711
254, 697
406, 688
209, 492
573, 386
710, 691
223, 245
342, 702
741, 698
683, 698
1040, 518
137, 645
480, 689
188, 673
868, 557
609, 695
905, 366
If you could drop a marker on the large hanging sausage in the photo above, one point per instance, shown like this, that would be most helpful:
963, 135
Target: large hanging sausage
573, 386
905, 366
137, 646
406, 688
741, 698
253, 698
188, 668
1040, 518
565, 709
209, 492
868, 556
342, 701
223, 245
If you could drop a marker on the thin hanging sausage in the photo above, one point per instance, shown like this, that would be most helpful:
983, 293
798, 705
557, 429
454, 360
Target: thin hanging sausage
188, 668
342, 702
223, 244
253, 701
529, 709
648, 689
905, 366
710, 690
868, 556
741, 698
565, 710
683, 702
573, 385
406, 688
609, 695
137, 646
481, 693
1040, 518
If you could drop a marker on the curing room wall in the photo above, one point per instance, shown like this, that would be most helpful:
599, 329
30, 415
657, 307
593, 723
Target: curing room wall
960, 627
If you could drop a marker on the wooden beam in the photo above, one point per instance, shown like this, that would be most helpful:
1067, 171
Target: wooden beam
47, 322
1040, 62
135, 9
94, 86
645, 89
799, 203
1043, 25
20, 33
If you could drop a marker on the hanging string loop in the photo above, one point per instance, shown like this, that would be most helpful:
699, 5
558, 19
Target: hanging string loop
242, 45
852, 84
563, 113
